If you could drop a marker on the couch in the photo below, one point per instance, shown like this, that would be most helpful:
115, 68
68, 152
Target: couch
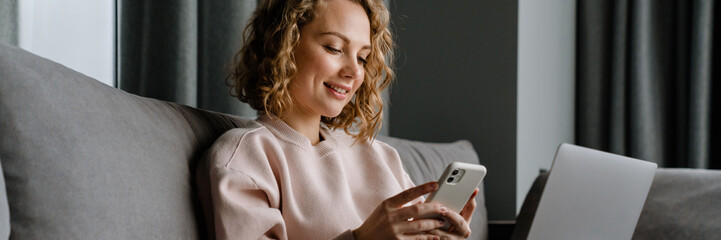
82, 160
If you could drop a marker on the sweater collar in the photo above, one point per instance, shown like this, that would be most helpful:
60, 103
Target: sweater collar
286, 133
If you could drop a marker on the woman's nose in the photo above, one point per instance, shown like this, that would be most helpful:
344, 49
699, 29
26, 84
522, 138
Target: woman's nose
352, 69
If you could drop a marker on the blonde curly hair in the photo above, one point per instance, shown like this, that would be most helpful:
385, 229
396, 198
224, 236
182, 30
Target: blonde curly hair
263, 68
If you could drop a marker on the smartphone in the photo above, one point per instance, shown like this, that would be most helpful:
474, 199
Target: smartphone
457, 184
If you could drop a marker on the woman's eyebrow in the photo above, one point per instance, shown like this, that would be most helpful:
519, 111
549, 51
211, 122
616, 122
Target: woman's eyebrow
343, 37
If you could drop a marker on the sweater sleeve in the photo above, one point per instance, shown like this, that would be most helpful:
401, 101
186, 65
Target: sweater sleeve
245, 198
245, 194
394, 160
241, 208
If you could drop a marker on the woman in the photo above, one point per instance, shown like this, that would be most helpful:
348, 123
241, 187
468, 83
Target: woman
309, 68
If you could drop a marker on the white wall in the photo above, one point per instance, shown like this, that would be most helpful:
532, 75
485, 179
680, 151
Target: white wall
79, 34
546, 86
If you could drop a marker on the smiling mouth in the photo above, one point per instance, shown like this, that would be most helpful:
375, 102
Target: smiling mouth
334, 88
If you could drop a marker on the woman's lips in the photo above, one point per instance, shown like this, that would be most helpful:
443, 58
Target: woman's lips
338, 92
336, 88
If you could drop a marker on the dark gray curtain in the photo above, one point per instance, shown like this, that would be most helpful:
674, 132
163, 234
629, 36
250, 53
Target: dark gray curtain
645, 84
9, 21
179, 50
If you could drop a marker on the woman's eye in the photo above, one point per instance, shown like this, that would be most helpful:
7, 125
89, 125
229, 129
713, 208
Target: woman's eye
332, 50
362, 61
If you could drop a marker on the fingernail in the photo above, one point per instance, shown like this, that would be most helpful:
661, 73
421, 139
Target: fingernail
436, 238
444, 210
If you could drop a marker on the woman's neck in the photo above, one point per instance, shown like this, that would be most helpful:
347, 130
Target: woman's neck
306, 125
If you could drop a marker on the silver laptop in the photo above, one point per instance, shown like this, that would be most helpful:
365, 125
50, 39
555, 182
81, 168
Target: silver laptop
591, 194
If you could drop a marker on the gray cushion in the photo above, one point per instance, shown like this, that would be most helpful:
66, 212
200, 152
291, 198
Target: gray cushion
682, 204
86, 161
425, 162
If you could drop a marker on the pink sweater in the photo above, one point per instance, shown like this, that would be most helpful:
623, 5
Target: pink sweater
271, 183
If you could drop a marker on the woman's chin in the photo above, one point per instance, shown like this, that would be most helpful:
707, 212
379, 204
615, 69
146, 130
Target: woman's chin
332, 114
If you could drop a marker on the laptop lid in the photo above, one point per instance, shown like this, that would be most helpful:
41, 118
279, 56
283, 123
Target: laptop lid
592, 194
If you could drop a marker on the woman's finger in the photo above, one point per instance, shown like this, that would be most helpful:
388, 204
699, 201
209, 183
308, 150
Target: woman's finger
423, 210
425, 236
410, 194
467, 212
443, 235
470, 206
459, 226
419, 226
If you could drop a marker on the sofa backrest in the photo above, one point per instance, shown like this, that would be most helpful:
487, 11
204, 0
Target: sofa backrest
82, 160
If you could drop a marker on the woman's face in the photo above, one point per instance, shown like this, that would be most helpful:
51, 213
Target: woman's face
330, 59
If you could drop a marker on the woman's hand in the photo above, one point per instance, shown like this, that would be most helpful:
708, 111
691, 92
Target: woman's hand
467, 211
461, 219
390, 220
